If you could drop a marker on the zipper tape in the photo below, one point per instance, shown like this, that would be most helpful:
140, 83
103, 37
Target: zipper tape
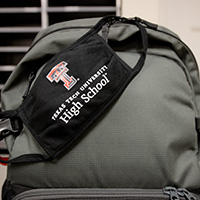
112, 194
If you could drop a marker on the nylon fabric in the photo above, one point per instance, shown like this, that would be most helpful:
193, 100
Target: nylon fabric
146, 139
111, 161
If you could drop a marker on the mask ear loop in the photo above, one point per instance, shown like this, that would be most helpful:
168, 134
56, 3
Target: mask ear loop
135, 21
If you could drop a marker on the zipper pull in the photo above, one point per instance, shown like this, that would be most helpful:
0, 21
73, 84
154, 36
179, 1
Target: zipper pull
185, 193
106, 27
105, 31
30, 80
172, 192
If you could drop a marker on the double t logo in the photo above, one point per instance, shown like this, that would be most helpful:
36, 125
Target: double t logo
59, 72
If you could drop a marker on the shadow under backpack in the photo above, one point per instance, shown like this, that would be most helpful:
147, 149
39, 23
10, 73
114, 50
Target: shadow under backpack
103, 109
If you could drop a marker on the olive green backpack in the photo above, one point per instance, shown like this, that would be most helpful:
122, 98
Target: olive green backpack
126, 119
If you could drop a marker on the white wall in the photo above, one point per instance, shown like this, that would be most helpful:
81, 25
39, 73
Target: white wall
3, 170
181, 16
147, 9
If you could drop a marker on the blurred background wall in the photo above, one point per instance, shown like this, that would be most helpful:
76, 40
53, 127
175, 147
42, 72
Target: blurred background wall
181, 16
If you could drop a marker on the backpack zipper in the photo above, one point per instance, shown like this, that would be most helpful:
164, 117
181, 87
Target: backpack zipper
177, 194
185, 193
92, 194
168, 193
172, 192
30, 80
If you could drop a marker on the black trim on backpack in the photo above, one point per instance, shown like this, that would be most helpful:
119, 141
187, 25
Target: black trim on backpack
9, 190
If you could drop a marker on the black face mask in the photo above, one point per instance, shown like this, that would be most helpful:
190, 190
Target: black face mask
75, 87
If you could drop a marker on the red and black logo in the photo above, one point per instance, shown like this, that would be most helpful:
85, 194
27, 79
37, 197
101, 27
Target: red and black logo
59, 72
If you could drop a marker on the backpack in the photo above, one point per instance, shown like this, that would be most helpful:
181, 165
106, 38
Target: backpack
103, 109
